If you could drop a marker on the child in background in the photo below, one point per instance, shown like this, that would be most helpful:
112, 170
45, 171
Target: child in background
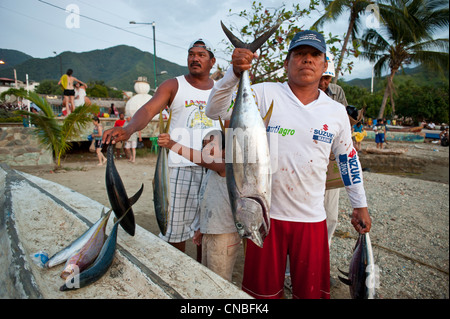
380, 133
119, 123
217, 232
97, 135
358, 135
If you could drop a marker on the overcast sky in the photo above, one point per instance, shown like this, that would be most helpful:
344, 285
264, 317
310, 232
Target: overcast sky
41, 27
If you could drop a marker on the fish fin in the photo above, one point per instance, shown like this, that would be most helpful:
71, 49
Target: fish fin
343, 272
345, 281
266, 119
221, 125
166, 130
108, 213
233, 39
255, 45
136, 196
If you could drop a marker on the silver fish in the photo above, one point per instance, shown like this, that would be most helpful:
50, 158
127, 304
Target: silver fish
161, 185
362, 275
77, 244
101, 264
118, 198
83, 258
247, 164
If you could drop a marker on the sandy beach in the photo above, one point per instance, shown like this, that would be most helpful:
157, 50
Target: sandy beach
408, 204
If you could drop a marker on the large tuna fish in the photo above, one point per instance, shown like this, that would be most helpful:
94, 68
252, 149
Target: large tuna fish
77, 244
87, 254
247, 165
118, 198
362, 276
161, 185
101, 264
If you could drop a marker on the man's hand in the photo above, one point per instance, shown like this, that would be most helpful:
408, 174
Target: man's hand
115, 135
361, 220
242, 60
165, 141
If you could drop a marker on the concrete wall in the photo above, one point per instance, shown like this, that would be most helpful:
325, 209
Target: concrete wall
20, 147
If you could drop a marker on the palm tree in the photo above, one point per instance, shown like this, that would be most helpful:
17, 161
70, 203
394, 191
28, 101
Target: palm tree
406, 36
49, 131
333, 10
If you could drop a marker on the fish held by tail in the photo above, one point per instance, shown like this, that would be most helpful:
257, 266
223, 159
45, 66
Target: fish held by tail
117, 194
248, 166
161, 183
255, 45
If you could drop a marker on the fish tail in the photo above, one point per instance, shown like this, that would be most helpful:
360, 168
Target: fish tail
221, 125
166, 130
255, 45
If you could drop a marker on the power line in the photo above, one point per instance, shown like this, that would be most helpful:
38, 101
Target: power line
52, 25
113, 26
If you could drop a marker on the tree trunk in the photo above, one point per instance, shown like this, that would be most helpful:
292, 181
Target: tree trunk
344, 49
387, 93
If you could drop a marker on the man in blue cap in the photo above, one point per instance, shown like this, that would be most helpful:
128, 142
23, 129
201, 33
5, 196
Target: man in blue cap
317, 126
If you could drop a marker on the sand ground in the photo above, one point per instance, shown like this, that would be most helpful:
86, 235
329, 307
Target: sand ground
81, 173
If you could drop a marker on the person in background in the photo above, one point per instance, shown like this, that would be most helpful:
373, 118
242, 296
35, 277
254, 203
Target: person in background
334, 91
80, 95
443, 136
97, 135
113, 112
131, 144
119, 123
69, 91
358, 134
380, 133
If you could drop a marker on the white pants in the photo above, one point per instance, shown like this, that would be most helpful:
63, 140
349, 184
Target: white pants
331, 203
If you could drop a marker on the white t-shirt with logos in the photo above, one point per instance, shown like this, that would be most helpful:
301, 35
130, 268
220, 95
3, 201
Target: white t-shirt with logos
301, 138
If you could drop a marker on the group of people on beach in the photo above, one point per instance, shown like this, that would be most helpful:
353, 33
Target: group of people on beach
74, 94
299, 236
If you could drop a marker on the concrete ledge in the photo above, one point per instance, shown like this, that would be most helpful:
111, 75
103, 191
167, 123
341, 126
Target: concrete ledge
37, 214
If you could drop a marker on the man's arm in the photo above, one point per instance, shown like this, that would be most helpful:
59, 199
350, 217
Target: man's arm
351, 174
221, 97
163, 97
201, 158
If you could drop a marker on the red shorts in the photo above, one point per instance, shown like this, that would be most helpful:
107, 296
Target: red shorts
307, 246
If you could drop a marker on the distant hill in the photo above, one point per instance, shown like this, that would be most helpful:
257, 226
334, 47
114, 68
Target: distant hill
117, 66
418, 75
12, 58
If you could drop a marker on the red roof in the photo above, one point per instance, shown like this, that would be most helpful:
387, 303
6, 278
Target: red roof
6, 80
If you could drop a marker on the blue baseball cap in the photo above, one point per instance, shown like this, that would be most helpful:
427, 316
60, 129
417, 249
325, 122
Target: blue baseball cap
311, 38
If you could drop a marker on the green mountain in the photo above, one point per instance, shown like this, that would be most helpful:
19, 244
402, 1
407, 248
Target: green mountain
421, 76
117, 67
11, 59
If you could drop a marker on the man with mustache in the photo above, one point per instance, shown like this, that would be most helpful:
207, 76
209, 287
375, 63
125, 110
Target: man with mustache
297, 216
186, 98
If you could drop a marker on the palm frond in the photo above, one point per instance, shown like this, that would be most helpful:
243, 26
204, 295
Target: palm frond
47, 129
77, 120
